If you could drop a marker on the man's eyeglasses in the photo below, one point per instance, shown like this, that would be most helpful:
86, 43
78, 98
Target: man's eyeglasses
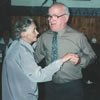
55, 16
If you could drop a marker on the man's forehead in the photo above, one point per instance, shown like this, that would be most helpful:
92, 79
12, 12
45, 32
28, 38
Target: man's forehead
56, 10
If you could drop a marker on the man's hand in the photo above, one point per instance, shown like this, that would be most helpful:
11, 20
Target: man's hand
74, 58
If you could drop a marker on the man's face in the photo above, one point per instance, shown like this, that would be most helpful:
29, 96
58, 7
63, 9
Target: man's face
30, 35
57, 18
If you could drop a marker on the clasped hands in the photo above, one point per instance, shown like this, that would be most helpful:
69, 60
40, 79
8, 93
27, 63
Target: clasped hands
74, 58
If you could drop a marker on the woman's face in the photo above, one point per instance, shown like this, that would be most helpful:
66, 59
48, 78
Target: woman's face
30, 35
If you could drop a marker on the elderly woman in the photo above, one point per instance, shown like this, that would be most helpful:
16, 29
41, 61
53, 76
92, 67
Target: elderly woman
20, 72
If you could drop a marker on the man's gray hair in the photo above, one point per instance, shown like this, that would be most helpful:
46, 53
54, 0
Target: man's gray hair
67, 9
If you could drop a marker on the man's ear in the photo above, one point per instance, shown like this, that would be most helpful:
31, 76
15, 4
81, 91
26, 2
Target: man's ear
67, 18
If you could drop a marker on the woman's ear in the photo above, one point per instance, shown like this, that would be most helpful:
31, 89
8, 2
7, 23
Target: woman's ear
22, 34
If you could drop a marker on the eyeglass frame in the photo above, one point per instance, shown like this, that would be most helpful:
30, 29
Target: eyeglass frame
56, 16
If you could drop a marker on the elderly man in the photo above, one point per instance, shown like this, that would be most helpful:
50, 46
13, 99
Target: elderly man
66, 84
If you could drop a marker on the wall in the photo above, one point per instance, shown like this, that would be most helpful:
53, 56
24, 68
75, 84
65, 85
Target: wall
90, 25
4, 15
69, 3
86, 20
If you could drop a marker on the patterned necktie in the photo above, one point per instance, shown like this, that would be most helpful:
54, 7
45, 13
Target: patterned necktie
54, 52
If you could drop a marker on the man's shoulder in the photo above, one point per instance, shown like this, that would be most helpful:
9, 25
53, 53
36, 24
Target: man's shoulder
73, 30
46, 34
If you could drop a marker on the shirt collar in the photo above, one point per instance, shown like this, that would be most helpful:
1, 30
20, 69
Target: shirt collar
62, 31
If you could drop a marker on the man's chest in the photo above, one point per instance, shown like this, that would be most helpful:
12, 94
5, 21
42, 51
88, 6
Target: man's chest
64, 45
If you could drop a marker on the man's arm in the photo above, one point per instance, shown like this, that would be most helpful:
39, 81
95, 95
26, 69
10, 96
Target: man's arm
88, 55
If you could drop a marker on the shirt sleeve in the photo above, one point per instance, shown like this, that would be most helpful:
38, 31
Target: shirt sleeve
88, 55
34, 72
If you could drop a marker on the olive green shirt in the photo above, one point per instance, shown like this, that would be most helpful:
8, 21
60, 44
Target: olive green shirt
69, 40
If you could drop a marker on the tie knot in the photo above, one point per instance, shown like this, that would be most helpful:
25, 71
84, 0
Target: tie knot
55, 34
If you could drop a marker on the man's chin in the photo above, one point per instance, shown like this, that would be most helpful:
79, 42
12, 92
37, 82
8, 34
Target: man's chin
53, 29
